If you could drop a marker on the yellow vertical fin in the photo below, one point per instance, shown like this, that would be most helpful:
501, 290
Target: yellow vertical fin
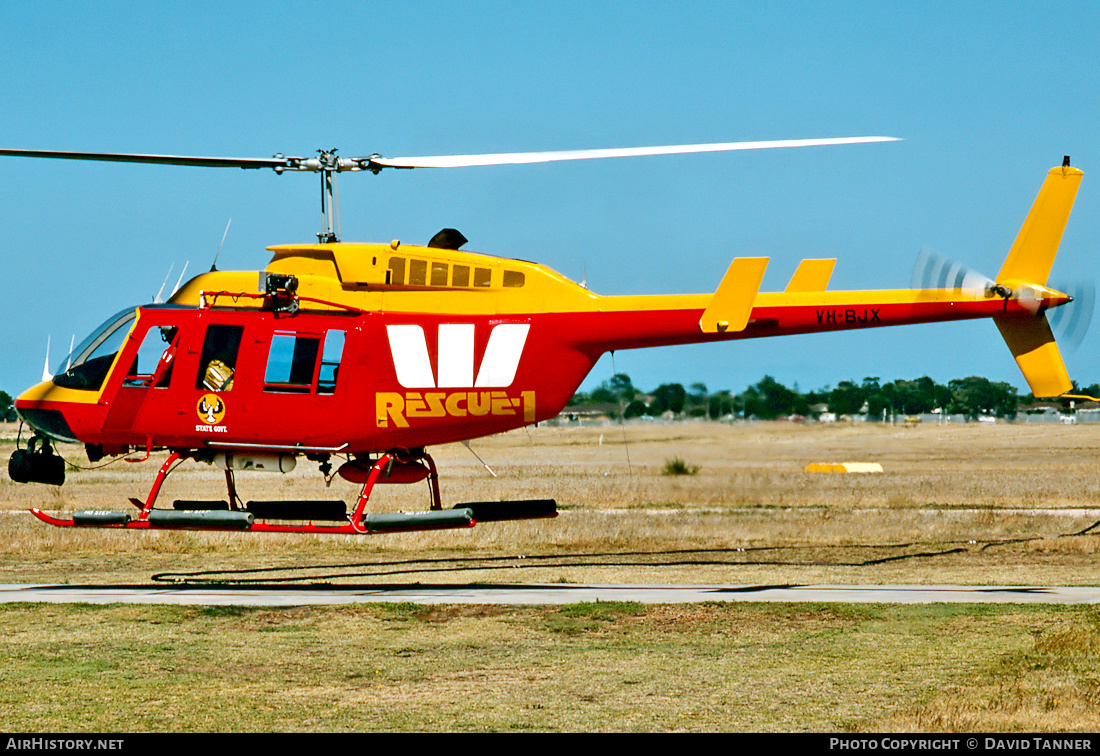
1033, 252
731, 305
1032, 344
811, 275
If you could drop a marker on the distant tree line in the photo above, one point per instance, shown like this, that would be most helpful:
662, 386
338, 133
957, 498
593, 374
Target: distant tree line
769, 399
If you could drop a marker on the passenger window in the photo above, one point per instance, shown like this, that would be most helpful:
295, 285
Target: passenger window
330, 362
439, 274
482, 276
461, 276
219, 357
291, 362
396, 274
513, 278
418, 272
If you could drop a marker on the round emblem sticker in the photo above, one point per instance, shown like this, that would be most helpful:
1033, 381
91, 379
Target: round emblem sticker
211, 409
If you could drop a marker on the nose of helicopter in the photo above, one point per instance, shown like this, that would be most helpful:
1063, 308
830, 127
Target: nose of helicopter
42, 408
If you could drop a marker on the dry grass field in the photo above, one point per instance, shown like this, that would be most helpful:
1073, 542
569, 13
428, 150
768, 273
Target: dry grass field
979, 504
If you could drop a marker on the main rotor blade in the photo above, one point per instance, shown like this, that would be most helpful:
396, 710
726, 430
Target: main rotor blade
521, 158
115, 157
329, 161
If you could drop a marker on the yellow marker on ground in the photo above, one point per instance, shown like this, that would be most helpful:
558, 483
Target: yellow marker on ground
844, 467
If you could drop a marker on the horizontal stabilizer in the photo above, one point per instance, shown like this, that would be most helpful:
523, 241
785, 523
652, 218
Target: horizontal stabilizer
1032, 344
811, 275
731, 305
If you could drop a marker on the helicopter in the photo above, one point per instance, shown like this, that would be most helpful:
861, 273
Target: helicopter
368, 354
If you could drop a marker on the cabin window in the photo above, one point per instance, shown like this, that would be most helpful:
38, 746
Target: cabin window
155, 358
219, 357
87, 367
461, 276
291, 362
439, 274
513, 278
330, 362
396, 273
418, 272
483, 276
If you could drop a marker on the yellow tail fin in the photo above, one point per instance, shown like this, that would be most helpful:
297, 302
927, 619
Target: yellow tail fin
1032, 344
1033, 252
1028, 263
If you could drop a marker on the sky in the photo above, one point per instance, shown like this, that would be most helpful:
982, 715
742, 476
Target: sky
985, 96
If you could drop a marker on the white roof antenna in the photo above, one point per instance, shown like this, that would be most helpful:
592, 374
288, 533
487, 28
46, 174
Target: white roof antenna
214, 265
46, 374
180, 279
157, 299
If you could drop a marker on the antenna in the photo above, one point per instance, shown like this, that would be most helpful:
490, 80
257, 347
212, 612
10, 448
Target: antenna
157, 299
479, 459
214, 265
182, 272
46, 374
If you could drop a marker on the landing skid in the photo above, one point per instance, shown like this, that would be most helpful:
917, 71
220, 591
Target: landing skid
233, 516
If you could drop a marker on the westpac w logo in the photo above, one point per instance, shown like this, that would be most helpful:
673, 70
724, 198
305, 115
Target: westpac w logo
456, 393
455, 363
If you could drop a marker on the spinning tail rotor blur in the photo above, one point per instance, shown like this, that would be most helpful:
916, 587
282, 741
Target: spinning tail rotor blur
1071, 323
934, 271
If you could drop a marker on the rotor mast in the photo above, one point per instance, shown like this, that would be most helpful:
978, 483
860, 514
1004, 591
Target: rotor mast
330, 204
328, 164
330, 210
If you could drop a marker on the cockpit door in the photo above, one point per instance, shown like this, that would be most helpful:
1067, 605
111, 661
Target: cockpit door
148, 368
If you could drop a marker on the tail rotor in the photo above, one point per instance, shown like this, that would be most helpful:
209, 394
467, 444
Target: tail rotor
935, 271
1071, 322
